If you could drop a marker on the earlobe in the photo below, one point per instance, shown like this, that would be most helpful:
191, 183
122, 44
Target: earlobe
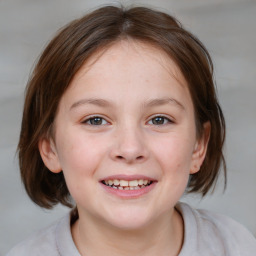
49, 155
200, 149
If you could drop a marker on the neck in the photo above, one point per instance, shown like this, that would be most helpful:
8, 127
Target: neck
164, 236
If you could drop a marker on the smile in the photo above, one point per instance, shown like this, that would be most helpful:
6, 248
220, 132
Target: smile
127, 185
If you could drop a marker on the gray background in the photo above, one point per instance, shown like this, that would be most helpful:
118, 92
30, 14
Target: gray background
227, 28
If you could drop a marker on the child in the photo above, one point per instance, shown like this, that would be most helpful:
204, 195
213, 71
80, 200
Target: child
120, 118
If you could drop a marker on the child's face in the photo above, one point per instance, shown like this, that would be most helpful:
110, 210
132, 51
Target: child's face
127, 116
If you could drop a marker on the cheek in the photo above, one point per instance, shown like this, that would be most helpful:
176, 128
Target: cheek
174, 158
175, 155
79, 157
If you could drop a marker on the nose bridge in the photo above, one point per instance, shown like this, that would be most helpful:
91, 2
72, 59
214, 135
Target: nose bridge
129, 143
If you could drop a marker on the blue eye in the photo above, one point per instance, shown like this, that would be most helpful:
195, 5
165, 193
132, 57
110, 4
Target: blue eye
160, 120
95, 120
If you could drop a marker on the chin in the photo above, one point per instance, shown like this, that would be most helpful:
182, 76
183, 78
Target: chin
129, 219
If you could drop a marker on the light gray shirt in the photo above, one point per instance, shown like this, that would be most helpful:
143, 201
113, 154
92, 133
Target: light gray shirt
206, 233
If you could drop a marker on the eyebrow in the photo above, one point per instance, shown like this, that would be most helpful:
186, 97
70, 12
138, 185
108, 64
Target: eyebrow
163, 101
105, 103
93, 101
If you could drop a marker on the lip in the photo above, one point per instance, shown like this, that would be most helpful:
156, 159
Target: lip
129, 194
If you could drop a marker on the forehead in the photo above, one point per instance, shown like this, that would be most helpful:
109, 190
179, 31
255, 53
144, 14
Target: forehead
149, 55
118, 71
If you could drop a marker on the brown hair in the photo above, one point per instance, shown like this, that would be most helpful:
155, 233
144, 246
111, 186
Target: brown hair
68, 51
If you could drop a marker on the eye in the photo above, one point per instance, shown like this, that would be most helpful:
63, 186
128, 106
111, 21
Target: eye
95, 120
160, 120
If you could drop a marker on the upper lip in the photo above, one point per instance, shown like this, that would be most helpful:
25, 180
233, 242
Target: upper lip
128, 177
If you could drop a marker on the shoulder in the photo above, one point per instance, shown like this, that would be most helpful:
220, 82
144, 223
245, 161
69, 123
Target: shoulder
35, 243
215, 233
50, 241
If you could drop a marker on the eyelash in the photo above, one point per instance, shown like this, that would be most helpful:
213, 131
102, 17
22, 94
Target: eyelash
162, 117
166, 120
94, 117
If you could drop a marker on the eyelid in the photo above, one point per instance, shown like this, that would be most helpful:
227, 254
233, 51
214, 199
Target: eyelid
170, 120
87, 118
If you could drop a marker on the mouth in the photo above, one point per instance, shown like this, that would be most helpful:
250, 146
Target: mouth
127, 184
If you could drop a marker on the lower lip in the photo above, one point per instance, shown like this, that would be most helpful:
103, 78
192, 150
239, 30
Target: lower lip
129, 194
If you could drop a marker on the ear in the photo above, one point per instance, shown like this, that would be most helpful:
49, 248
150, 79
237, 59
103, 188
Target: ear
49, 155
200, 149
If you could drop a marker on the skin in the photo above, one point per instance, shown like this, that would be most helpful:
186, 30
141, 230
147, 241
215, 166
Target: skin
126, 141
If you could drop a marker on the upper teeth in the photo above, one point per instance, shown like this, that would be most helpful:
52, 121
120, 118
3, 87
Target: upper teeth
126, 183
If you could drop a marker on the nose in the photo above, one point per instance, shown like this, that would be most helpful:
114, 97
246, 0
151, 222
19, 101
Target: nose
129, 146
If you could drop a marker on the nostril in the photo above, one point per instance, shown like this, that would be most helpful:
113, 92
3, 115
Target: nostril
136, 158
